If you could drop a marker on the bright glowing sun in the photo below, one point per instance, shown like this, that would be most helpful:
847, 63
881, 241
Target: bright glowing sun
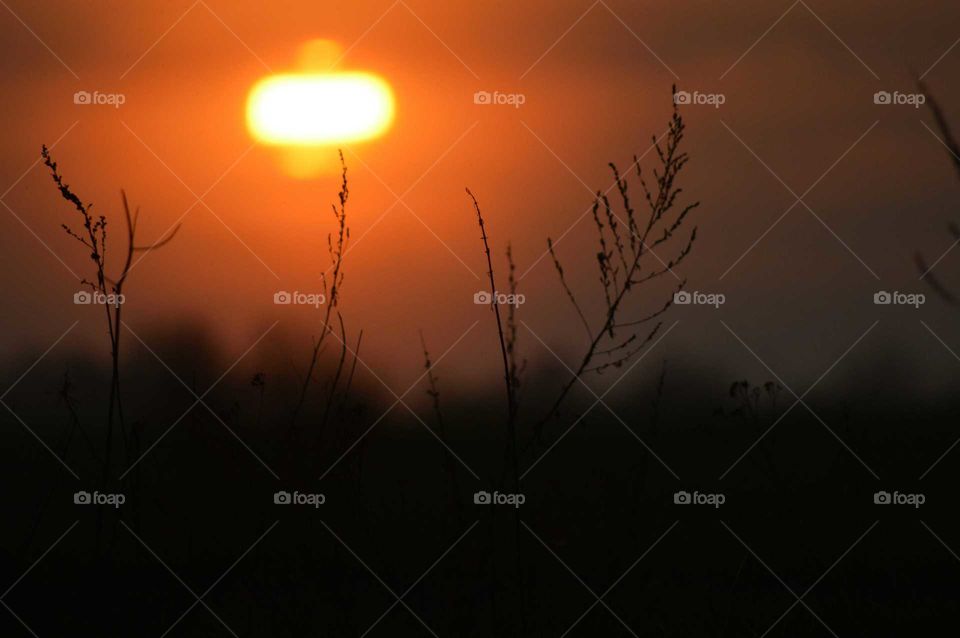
307, 113
311, 109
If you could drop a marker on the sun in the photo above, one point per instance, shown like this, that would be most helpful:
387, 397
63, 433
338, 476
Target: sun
309, 112
310, 109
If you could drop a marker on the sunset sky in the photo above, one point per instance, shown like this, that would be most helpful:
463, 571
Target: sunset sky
735, 415
798, 120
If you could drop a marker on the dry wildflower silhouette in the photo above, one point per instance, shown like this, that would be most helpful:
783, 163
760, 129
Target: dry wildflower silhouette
507, 338
93, 236
508, 378
626, 261
336, 248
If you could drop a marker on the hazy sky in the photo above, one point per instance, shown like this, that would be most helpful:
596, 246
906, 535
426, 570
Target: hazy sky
798, 120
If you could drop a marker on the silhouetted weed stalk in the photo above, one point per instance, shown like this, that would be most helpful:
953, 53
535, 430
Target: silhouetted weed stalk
626, 260
509, 383
336, 248
93, 236
507, 336
515, 369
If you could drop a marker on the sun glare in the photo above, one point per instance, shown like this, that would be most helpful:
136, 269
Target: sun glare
311, 109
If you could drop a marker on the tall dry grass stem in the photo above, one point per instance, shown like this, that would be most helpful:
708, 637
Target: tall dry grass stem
336, 248
93, 236
510, 384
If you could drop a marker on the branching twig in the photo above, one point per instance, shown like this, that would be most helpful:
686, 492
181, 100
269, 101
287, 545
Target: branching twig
94, 238
621, 262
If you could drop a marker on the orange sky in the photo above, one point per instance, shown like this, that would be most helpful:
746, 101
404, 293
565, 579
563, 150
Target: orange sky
595, 91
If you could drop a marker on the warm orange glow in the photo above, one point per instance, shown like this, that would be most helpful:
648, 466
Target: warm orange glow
311, 109
319, 55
